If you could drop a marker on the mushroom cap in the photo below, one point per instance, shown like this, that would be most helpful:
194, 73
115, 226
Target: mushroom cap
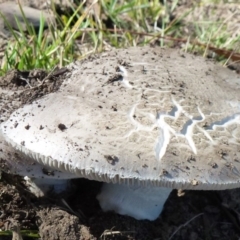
16, 162
147, 116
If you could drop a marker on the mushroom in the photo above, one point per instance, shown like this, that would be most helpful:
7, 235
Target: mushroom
142, 120
16, 162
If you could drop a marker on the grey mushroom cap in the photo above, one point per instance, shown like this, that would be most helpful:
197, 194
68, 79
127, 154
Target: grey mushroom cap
148, 116
16, 162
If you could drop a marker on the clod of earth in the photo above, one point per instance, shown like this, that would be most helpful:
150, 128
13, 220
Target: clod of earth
142, 120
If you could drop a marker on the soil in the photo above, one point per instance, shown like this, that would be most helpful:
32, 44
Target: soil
76, 214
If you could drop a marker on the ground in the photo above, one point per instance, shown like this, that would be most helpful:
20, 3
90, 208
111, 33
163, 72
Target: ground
75, 214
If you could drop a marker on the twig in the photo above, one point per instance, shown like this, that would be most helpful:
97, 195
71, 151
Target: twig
111, 232
50, 74
235, 56
15, 228
26, 80
79, 214
184, 225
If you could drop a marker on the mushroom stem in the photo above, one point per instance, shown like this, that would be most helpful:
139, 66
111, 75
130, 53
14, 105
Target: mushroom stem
139, 202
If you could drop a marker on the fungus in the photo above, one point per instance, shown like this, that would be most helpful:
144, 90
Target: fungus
169, 120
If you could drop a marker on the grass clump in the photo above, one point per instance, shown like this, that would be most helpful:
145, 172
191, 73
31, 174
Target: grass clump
42, 49
25, 233
92, 28
106, 24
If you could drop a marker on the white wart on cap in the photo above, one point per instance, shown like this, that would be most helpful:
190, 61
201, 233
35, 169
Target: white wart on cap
141, 118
